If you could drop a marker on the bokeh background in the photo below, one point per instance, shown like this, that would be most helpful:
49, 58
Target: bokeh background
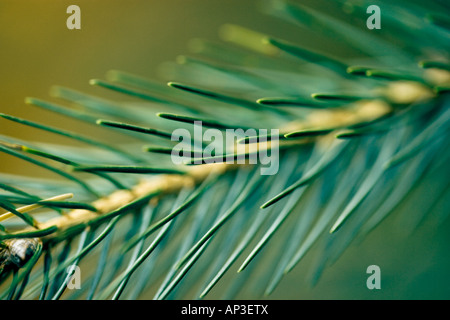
38, 51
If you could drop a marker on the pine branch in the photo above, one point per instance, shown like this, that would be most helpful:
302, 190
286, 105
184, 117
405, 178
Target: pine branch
354, 143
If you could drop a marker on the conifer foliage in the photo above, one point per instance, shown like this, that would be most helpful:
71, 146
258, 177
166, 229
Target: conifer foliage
360, 136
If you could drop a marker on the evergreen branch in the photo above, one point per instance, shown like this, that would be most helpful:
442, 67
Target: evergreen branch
374, 138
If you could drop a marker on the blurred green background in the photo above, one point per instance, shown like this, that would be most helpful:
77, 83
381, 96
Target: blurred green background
38, 51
